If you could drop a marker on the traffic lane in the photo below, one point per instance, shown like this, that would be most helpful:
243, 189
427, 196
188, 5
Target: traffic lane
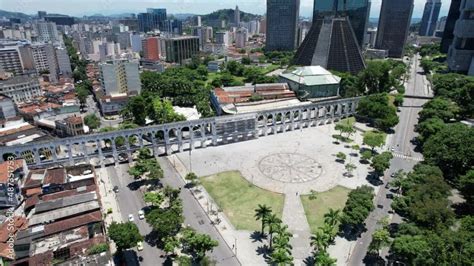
196, 217
131, 202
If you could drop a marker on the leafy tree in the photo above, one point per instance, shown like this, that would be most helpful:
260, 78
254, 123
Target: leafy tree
92, 121
166, 222
448, 150
413, 250
349, 168
144, 153
246, 60
358, 206
136, 109
398, 101
345, 126
374, 139
466, 186
458, 88
341, 156
235, 68
154, 198
82, 94
381, 162
366, 155
197, 244
380, 239
125, 235
193, 178
376, 77
262, 213
439, 108
350, 85
428, 128
378, 109
170, 244
163, 112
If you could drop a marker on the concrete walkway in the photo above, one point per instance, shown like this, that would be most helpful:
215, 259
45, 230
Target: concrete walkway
295, 218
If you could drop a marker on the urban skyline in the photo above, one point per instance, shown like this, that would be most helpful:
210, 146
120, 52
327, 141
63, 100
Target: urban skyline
113, 7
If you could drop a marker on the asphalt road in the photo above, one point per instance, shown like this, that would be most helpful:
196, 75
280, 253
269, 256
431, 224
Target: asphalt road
401, 143
130, 202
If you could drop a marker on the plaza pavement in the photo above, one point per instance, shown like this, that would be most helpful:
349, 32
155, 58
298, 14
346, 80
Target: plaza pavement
283, 163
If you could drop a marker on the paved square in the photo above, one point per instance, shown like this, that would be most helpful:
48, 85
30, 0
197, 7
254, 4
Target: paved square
297, 161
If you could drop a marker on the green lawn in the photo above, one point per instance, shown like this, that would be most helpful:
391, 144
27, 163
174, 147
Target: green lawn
270, 68
238, 198
315, 209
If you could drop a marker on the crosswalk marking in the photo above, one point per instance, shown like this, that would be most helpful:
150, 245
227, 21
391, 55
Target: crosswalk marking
399, 155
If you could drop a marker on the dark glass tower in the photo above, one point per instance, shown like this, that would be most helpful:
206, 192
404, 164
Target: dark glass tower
357, 11
282, 24
392, 33
430, 17
453, 15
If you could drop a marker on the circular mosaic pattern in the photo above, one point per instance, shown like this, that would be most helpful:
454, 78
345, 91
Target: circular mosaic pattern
290, 167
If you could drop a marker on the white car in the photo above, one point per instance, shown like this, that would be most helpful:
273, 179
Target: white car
141, 214
140, 246
130, 218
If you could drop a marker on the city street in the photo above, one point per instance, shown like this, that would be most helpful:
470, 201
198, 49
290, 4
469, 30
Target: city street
132, 201
405, 157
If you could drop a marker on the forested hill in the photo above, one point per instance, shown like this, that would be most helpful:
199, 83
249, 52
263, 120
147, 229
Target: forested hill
228, 16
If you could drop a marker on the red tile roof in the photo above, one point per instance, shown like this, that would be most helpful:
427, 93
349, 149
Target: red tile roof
55, 176
73, 222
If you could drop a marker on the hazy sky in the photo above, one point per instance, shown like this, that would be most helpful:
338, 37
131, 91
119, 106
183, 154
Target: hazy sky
107, 7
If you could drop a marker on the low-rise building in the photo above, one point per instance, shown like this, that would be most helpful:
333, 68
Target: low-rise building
312, 82
252, 98
70, 126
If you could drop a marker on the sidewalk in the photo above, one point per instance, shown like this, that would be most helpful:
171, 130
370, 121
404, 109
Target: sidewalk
109, 201
239, 241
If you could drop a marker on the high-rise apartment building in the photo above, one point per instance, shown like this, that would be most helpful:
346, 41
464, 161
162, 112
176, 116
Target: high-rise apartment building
237, 16
282, 23
64, 64
47, 32
453, 16
21, 88
136, 42
357, 10
119, 77
222, 37
461, 51
10, 60
430, 17
394, 22
151, 48
241, 37
45, 61
173, 26
179, 49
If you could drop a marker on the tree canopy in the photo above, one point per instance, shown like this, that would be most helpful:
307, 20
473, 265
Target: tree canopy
125, 235
378, 109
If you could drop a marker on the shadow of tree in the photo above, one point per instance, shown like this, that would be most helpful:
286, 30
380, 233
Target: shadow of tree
374, 179
373, 260
351, 233
309, 261
257, 236
264, 250
152, 239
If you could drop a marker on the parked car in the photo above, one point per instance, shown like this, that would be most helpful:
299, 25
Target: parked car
130, 218
141, 214
116, 189
140, 246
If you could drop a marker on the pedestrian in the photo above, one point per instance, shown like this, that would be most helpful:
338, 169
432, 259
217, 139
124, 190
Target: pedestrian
297, 194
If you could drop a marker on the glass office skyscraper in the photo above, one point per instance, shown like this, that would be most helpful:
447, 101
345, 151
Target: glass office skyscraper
395, 18
282, 23
430, 17
357, 11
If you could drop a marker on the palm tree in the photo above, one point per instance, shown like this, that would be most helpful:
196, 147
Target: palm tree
273, 223
282, 239
281, 257
332, 217
261, 213
320, 241
323, 259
